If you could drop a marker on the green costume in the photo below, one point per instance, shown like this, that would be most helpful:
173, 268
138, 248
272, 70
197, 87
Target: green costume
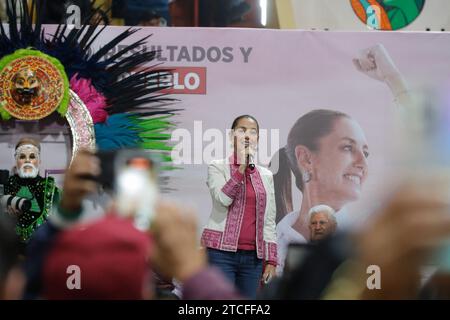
42, 193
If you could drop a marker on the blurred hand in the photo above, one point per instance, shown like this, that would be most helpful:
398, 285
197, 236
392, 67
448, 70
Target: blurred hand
176, 252
12, 212
401, 237
78, 181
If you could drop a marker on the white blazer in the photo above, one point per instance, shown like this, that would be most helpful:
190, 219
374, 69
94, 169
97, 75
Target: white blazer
227, 188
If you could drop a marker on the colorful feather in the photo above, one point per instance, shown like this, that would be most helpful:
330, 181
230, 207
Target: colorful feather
94, 101
127, 108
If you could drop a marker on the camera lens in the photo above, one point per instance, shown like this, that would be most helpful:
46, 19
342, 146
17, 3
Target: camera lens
24, 205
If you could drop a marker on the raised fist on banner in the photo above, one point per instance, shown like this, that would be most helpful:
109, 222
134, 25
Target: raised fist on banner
376, 63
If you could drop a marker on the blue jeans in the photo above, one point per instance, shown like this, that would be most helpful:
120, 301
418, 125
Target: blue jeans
242, 268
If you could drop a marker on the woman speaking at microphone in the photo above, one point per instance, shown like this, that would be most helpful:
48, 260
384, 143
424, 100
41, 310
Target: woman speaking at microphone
240, 235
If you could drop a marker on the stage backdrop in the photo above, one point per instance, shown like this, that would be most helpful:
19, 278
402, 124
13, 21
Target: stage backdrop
276, 76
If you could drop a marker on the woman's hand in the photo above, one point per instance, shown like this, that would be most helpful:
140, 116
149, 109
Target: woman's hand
243, 158
376, 63
269, 273
249, 150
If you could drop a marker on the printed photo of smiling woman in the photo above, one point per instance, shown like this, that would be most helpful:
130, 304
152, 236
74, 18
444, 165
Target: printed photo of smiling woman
327, 152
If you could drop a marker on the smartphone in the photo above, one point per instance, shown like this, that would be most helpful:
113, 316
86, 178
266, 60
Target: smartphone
112, 161
136, 186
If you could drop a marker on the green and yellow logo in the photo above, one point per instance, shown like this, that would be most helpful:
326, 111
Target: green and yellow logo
387, 14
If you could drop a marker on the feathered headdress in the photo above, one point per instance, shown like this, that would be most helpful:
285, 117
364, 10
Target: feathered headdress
110, 101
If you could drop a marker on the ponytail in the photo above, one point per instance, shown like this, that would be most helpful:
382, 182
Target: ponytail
282, 183
306, 131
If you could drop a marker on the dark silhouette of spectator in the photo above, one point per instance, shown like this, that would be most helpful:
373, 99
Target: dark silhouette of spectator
12, 279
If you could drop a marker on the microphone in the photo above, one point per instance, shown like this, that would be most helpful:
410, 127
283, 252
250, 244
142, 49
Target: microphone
250, 162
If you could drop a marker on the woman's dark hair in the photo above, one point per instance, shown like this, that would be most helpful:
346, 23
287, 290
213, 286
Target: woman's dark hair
236, 121
307, 132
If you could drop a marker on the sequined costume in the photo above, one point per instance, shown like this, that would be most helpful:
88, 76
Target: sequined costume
42, 192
